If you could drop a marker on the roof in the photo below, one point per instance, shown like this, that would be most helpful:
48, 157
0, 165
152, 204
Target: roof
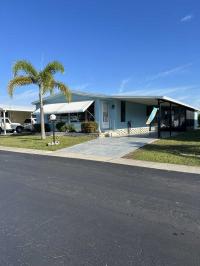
152, 100
17, 108
59, 108
81, 93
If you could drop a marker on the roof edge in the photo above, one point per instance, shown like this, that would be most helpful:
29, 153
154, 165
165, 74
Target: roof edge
166, 98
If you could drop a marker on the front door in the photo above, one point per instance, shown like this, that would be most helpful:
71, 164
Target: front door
105, 115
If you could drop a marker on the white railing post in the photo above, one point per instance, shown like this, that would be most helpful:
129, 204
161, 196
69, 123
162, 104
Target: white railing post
4, 121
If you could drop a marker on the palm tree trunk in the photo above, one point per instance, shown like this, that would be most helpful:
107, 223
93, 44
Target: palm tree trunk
43, 135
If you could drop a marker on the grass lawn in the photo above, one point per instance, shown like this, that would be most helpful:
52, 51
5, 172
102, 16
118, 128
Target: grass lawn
35, 142
181, 149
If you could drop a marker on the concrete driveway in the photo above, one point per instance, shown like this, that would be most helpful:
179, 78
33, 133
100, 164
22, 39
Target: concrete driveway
115, 147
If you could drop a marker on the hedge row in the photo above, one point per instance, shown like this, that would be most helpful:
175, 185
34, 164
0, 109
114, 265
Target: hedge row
86, 127
89, 127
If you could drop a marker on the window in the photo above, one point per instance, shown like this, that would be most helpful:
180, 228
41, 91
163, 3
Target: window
73, 117
81, 117
123, 111
27, 121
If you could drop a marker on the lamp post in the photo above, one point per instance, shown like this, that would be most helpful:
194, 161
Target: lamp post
53, 119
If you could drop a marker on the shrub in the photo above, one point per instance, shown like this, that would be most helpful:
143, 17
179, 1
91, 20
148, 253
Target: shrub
89, 127
37, 127
63, 128
68, 128
59, 125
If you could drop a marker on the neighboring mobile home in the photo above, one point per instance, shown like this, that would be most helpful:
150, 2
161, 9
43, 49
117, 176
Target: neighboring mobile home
121, 115
16, 113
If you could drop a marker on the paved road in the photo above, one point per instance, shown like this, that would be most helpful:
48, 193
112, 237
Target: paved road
57, 211
115, 147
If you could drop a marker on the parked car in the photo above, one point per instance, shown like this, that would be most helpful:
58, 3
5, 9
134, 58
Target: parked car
10, 127
29, 124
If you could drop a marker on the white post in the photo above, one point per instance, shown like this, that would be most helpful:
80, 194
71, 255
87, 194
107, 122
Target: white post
195, 120
31, 121
4, 121
99, 126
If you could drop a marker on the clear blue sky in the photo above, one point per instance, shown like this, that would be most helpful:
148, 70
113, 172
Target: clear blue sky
107, 46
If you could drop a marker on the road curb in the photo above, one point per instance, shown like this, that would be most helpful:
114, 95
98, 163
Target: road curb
122, 161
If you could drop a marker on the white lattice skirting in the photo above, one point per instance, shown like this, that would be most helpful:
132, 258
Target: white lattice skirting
132, 131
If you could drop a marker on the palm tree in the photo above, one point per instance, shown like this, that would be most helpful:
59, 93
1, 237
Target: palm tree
25, 74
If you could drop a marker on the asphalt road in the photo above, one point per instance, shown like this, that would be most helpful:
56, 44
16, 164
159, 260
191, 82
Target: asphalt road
57, 211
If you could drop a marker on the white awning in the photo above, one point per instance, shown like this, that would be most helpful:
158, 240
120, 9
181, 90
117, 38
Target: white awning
66, 108
17, 108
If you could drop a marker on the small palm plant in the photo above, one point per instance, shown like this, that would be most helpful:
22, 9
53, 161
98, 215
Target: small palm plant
26, 74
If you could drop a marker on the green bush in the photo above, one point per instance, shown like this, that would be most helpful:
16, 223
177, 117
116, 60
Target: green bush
37, 127
59, 125
63, 128
89, 127
68, 128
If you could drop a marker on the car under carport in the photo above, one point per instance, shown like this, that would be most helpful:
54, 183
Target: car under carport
16, 114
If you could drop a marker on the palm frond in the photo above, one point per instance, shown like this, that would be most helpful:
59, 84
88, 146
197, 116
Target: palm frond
18, 81
47, 81
54, 67
24, 66
64, 89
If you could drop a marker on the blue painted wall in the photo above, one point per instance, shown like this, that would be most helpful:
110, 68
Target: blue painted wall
136, 113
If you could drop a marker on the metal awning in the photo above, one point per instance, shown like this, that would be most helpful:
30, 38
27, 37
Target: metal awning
66, 108
16, 108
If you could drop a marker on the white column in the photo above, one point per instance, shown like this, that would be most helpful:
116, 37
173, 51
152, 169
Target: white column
99, 122
4, 121
195, 120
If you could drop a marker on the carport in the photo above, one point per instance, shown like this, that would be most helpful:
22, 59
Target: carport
170, 115
16, 113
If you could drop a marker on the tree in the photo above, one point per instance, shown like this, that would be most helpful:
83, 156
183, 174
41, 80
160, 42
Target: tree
25, 74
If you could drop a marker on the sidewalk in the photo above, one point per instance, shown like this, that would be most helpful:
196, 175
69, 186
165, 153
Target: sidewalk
130, 162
